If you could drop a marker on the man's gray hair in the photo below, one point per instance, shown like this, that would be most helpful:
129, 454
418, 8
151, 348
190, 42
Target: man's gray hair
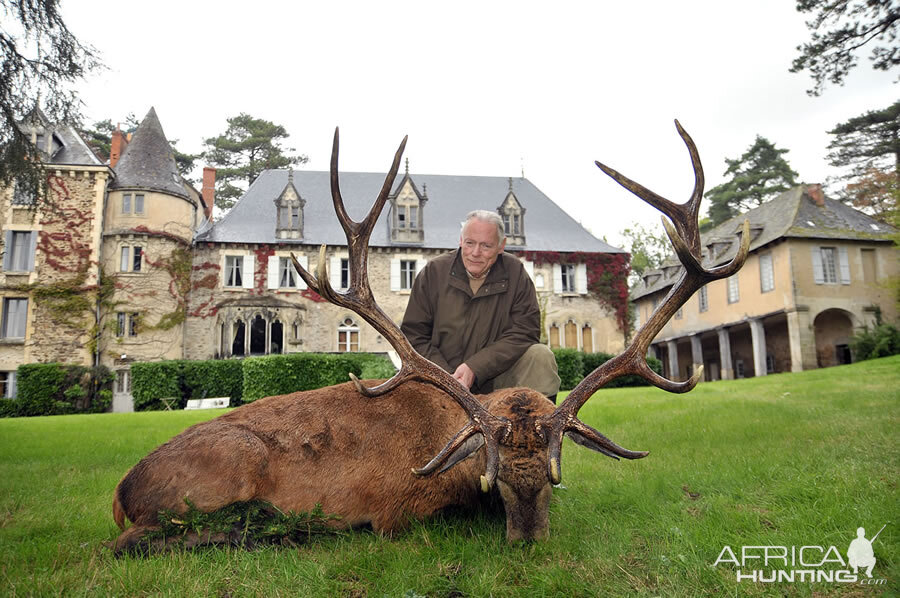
485, 216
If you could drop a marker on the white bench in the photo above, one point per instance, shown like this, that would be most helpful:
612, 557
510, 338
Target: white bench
214, 403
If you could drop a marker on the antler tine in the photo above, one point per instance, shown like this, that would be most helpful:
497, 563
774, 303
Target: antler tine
684, 233
359, 298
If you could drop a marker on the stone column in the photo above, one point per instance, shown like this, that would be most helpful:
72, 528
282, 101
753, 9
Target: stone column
802, 340
758, 335
725, 354
696, 352
672, 346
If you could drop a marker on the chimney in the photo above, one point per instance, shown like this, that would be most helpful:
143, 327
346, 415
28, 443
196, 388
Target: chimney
116, 147
816, 194
208, 192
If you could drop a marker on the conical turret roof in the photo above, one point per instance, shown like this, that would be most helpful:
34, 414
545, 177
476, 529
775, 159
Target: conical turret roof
148, 161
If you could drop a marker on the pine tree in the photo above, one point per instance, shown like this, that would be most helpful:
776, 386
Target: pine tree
870, 140
249, 146
757, 176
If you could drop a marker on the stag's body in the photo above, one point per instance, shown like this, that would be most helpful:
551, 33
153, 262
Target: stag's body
351, 454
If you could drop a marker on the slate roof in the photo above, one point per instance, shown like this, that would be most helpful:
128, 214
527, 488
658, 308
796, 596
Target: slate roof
67, 145
450, 198
793, 214
148, 161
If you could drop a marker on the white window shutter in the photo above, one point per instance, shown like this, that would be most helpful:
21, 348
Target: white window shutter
581, 278
335, 272
845, 265
529, 269
7, 253
304, 261
247, 274
557, 279
32, 247
273, 272
395, 274
420, 265
818, 271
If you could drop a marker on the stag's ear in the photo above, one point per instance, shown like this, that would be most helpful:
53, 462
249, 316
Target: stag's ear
588, 443
468, 447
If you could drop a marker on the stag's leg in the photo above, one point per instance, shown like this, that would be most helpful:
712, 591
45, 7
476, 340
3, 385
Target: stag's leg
211, 466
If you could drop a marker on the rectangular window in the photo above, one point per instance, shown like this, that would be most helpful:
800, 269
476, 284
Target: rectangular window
8, 384
401, 219
126, 203
133, 320
516, 226
345, 273
734, 294
120, 324
766, 273
829, 271
506, 223
286, 277
22, 195
407, 273
413, 217
234, 266
295, 217
131, 258
139, 203
20, 250
770, 364
15, 312
284, 216
704, 300
739, 368
868, 263
568, 278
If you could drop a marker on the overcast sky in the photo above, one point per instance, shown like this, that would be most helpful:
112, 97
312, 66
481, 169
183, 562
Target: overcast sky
483, 88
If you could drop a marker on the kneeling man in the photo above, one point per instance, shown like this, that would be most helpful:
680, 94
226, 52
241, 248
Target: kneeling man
474, 312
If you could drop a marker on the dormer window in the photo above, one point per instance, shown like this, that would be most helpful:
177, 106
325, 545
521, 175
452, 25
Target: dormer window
513, 215
407, 211
289, 211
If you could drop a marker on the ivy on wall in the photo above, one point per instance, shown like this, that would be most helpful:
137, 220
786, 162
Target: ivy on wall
607, 276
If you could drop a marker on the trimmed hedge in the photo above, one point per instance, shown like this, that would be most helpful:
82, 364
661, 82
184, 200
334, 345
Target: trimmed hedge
185, 379
374, 365
284, 374
574, 365
58, 389
155, 380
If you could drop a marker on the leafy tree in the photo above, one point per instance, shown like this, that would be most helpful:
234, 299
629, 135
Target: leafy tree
840, 28
757, 176
870, 140
249, 146
877, 193
648, 247
40, 60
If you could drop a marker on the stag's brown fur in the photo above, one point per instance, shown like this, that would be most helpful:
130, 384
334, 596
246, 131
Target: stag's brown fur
334, 447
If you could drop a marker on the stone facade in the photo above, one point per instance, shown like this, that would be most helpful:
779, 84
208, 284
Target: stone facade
799, 298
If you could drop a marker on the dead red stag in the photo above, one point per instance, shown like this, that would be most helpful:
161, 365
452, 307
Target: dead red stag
357, 451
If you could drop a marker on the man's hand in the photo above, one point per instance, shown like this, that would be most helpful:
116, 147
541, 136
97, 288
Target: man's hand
465, 375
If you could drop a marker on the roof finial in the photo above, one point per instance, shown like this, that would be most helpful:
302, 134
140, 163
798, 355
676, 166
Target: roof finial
407, 166
291, 176
510, 184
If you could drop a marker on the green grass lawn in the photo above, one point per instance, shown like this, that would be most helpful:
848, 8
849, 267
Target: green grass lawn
786, 460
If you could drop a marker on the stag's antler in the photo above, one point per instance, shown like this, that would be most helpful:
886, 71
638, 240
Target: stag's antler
359, 298
685, 237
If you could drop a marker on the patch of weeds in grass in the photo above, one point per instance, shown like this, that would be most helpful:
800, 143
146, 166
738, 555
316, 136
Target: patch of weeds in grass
243, 524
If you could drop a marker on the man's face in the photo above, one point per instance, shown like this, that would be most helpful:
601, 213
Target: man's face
480, 246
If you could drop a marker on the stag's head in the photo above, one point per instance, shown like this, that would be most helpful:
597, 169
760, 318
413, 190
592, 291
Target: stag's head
520, 429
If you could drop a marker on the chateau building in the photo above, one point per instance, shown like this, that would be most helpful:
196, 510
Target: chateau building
122, 263
815, 275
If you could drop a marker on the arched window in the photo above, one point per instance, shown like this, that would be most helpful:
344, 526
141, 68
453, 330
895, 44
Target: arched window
257, 335
587, 339
571, 335
276, 343
238, 332
348, 336
554, 336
